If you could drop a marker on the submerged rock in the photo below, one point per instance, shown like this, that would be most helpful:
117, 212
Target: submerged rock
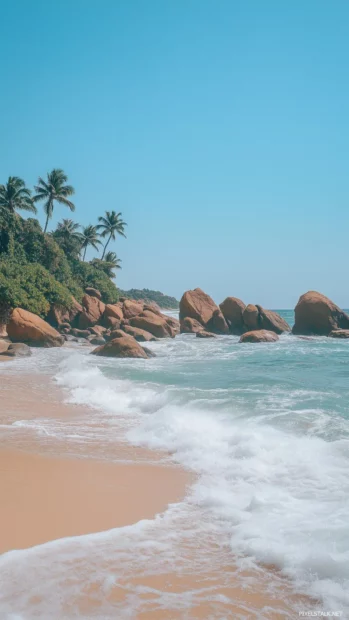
260, 335
141, 335
18, 349
124, 346
339, 333
205, 334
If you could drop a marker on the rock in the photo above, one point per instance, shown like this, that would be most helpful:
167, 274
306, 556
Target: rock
315, 314
149, 352
272, 321
260, 335
93, 310
250, 317
124, 346
69, 338
156, 325
139, 334
152, 307
217, 323
97, 330
339, 333
205, 334
111, 322
93, 292
114, 311
232, 309
116, 333
29, 328
131, 308
64, 326
80, 333
172, 322
4, 346
197, 305
96, 340
190, 326
17, 350
60, 314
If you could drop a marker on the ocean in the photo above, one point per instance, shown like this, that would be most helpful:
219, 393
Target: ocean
264, 428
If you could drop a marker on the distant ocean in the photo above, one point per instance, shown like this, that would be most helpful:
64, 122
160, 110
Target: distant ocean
265, 428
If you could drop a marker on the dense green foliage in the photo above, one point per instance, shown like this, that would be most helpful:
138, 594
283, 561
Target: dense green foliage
54, 189
86, 274
163, 301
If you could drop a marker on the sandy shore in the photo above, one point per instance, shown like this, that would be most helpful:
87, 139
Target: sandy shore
46, 494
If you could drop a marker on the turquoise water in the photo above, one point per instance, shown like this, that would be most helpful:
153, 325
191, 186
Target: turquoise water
264, 426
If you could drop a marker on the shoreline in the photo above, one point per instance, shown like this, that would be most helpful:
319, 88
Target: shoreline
50, 495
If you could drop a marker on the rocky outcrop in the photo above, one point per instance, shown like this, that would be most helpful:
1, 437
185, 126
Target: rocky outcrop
132, 308
316, 314
339, 333
93, 292
199, 306
174, 323
124, 346
154, 324
60, 314
29, 328
93, 310
260, 335
18, 349
232, 309
272, 321
190, 326
205, 334
250, 317
139, 334
114, 311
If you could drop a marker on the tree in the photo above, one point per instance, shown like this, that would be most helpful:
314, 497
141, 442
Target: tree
54, 190
88, 237
111, 225
16, 196
107, 265
68, 237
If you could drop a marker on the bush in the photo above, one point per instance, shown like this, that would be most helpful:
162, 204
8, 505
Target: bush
87, 275
163, 301
30, 286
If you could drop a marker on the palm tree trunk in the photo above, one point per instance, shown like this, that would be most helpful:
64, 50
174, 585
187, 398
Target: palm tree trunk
84, 253
106, 245
47, 219
49, 213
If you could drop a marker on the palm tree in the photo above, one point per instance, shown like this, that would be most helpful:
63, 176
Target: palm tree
110, 262
114, 261
54, 189
16, 196
89, 236
68, 228
111, 225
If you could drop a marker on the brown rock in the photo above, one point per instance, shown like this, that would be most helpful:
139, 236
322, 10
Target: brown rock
114, 311
149, 352
217, 323
18, 349
116, 333
339, 333
60, 314
93, 310
156, 325
111, 323
232, 309
132, 308
96, 340
272, 321
317, 315
29, 328
80, 333
124, 346
250, 317
97, 330
139, 334
4, 345
205, 334
153, 307
259, 335
190, 326
93, 292
197, 305
172, 322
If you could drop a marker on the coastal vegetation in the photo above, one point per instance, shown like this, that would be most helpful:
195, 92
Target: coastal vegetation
163, 301
38, 267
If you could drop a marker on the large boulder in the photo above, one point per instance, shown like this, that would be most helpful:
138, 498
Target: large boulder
111, 322
272, 321
259, 335
29, 328
114, 311
217, 323
317, 315
197, 305
250, 317
190, 326
339, 333
172, 322
139, 334
232, 309
132, 308
156, 325
124, 346
93, 310
60, 314
93, 292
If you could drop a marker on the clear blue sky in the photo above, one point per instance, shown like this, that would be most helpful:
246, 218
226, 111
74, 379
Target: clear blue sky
219, 128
